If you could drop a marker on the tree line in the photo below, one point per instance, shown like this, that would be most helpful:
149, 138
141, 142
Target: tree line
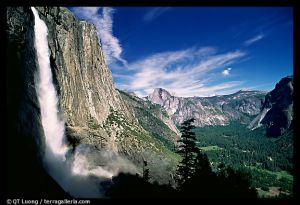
241, 146
194, 177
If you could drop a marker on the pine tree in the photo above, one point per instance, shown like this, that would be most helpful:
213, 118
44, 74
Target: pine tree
202, 165
188, 151
203, 182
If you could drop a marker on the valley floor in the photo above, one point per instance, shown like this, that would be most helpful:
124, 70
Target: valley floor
268, 160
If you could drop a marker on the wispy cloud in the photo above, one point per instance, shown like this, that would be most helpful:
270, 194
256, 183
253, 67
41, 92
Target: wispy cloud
226, 72
154, 13
253, 39
102, 18
184, 72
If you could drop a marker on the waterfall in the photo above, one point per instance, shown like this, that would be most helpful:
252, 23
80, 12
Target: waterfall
74, 172
53, 126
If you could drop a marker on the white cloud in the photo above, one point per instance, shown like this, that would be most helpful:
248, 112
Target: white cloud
102, 18
154, 13
185, 72
226, 72
254, 39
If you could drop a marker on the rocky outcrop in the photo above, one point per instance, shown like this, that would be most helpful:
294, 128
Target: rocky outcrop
277, 111
217, 110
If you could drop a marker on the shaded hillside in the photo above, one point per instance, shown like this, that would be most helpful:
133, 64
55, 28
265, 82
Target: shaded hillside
277, 111
154, 119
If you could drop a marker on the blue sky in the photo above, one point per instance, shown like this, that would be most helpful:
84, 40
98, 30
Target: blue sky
194, 51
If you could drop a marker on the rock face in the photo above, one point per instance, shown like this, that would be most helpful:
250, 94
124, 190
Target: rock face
93, 110
84, 82
217, 110
153, 118
277, 111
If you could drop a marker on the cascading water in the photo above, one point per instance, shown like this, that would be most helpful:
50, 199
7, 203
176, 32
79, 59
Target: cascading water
72, 172
53, 126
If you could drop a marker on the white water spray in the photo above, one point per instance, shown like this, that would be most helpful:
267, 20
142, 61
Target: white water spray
54, 127
72, 172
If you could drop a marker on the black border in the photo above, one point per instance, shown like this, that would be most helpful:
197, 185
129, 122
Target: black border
247, 3
151, 2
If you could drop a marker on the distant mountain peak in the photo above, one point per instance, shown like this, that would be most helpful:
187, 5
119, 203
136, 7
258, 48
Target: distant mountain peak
161, 91
159, 95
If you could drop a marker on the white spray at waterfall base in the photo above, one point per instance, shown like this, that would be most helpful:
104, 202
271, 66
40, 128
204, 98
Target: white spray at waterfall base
74, 172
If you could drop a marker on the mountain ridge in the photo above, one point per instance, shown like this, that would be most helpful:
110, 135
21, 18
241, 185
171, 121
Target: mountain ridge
214, 110
273, 109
